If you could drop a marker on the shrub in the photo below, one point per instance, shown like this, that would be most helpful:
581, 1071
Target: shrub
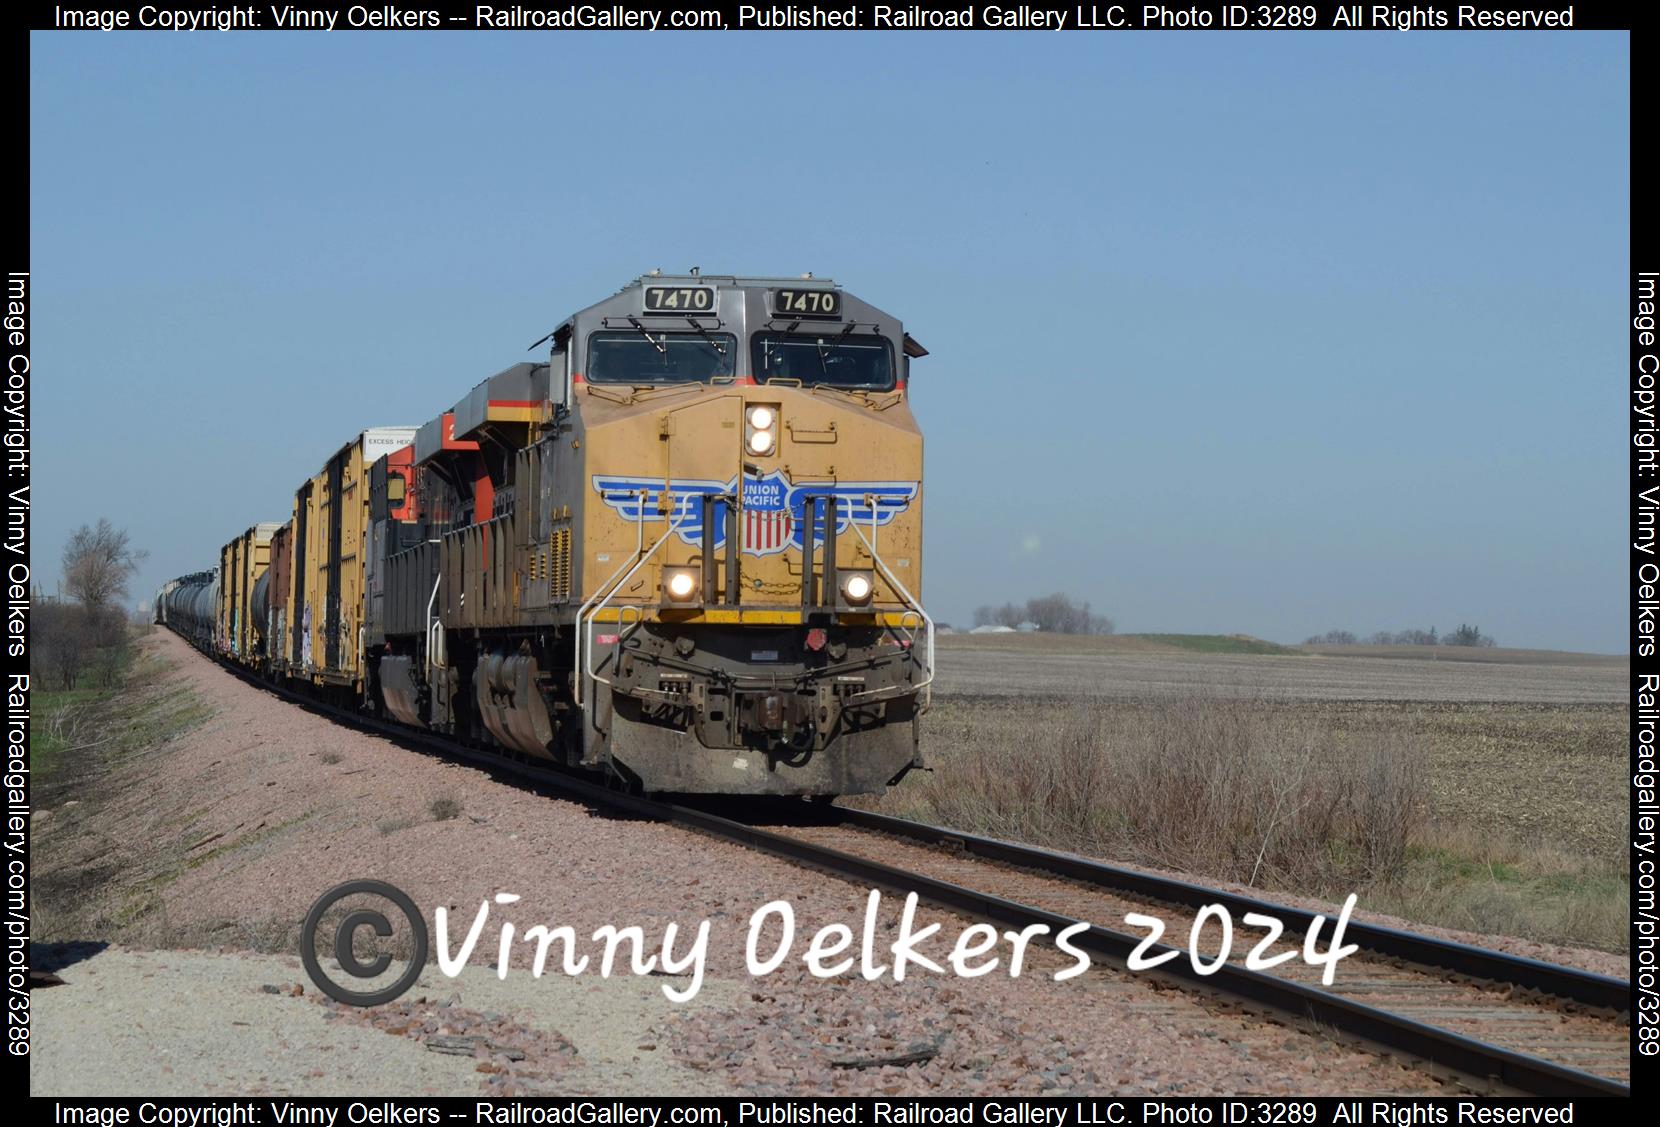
1227, 788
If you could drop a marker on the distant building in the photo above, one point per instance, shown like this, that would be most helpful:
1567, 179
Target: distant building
1028, 628
992, 630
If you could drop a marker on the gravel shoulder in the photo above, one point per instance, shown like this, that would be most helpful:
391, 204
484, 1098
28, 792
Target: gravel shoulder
179, 1023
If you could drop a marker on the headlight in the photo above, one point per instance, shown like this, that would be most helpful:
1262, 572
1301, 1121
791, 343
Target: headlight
761, 428
857, 587
679, 584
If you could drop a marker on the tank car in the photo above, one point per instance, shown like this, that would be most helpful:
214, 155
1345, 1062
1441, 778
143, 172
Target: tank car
186, 606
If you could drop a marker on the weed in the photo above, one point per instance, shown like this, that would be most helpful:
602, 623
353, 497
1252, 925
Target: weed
1493, 818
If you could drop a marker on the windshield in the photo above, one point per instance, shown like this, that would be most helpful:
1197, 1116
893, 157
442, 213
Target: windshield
647, 356
823, 356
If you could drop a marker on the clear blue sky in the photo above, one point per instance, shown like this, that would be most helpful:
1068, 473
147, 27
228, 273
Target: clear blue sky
1240, 333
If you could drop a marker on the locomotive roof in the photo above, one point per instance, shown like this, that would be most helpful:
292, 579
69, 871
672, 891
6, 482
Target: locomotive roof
756, 281
748, 300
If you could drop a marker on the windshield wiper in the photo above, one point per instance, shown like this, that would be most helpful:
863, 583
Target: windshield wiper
662, 349
824, 353
704, 333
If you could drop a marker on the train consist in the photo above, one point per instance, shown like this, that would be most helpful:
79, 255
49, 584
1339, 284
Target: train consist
685, 551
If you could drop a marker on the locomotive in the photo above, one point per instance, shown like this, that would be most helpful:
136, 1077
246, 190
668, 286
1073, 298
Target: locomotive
684, 551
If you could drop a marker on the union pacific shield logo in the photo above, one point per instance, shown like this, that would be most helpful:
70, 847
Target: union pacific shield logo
768, 524
774, 509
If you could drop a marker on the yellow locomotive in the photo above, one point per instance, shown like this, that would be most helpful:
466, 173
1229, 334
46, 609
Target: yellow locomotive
686, 551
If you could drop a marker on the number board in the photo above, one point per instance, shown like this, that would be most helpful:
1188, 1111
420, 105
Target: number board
806, 303
680, 299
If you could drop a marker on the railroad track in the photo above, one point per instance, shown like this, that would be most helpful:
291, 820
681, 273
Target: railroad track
1501, 1020
1492, 1021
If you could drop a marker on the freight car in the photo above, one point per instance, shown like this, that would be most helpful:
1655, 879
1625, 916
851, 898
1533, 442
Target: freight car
187, 605
685, 551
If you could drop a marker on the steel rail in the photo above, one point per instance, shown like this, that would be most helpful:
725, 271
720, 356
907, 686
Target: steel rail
1585, 987
1380, 1027
1389, 1031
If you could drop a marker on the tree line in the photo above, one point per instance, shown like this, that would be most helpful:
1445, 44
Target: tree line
1465, 635
1053, 614
83, 635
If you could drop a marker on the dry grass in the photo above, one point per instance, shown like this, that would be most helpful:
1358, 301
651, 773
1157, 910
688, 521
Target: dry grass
1492, 818
85, 883
76, 732
1213, 786
1464, 878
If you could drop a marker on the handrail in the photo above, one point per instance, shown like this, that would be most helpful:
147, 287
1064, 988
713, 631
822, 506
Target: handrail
583, 631
432, 619
610, 587
616, 576
912, 604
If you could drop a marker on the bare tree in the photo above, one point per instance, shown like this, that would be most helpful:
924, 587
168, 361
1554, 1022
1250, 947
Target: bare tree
1053, 614
1059, 614
90, 633
1006, 615
97, 563
1405, 638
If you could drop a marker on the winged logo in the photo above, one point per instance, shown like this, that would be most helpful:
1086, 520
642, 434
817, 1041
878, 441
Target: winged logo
774, 509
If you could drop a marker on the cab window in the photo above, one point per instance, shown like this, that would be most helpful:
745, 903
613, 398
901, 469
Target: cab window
823, 357
646, 356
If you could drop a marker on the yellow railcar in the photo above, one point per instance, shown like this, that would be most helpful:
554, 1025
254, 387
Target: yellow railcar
331, 533
242, 563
